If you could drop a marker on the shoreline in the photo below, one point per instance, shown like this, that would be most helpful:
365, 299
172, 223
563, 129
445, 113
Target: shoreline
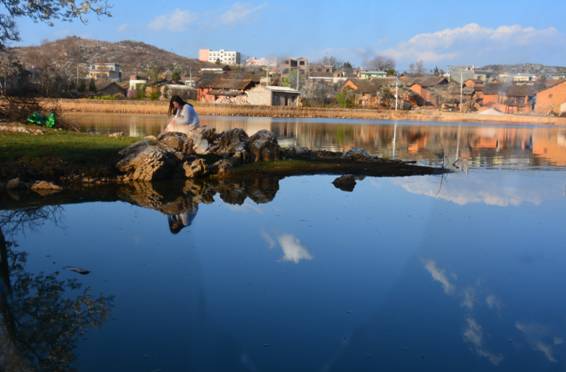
78, 158
160, 108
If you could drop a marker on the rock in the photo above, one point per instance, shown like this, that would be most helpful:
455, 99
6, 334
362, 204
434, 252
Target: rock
357, 154
13, 184
230, 142
175, 141
202, 138
142, 162
263, 146
195, 169
116, 134
222, 168
345, 183
45, 188
78, 270
134, 147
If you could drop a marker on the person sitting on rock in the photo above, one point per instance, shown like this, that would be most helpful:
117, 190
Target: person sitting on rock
178, 222
182, 113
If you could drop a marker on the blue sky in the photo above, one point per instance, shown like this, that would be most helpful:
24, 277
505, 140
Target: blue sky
437, 32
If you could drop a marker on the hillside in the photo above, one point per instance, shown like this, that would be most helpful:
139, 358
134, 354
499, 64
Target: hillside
526, 68
133, 56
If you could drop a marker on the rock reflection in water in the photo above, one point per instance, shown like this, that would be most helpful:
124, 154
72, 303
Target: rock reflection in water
43, 316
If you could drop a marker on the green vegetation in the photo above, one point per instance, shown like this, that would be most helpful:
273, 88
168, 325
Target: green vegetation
56, 153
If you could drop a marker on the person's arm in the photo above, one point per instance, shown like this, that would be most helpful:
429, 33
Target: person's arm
184, 117
193, 116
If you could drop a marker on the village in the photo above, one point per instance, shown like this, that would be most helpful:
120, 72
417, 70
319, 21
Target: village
298, 82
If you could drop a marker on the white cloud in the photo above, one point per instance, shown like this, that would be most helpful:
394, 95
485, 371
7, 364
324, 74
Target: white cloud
469, 299
535, 334
439, 276
176, 21
473, 41
122, 28
293, 250
239, 12
473, 335
268, 239
493, 303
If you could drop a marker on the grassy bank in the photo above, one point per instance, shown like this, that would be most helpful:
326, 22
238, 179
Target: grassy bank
58, 154
160, 108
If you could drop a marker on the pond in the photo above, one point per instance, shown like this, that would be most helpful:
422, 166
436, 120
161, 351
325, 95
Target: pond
460, 272
473, 145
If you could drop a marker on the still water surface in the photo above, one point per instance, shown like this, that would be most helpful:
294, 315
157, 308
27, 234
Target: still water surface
461, 272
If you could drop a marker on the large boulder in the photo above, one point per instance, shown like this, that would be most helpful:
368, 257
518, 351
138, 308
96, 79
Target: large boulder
176, 141
231, 142
203, 138
263, 146
144, 162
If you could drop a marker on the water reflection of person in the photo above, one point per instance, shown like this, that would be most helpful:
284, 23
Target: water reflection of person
178, 222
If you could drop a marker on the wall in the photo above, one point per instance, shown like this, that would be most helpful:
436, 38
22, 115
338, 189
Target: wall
550, 99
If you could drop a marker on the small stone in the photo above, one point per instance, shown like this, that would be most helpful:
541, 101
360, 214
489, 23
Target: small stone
45, 188
116, 134
357, 154
13, 184
222, 168
345, 183
78, 270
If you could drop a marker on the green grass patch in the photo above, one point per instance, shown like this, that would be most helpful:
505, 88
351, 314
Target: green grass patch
58, 153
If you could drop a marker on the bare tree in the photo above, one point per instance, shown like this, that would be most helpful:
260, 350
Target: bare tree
45, 11
381, 63
417, 68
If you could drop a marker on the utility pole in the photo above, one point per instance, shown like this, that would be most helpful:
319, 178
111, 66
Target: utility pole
461, 90
298, 78
396, 92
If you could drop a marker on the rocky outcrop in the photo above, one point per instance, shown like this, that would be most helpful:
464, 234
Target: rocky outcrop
145, 162
177, 142
263, 146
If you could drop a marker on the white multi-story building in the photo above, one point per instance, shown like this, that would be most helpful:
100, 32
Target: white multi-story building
225, 57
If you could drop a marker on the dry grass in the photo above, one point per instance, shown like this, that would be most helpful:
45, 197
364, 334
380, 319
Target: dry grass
160, 108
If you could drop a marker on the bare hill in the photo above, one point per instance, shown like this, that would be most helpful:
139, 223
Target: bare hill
133, 56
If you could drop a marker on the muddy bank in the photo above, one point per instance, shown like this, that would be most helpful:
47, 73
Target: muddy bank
160, 108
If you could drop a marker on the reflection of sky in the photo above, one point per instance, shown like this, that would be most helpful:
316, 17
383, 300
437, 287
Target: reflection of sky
509, 188
420, 275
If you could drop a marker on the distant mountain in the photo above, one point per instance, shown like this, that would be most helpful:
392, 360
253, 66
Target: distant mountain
530, 68
133, 56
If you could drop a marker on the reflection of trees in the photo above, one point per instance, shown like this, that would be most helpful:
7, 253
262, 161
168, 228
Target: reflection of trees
42, 315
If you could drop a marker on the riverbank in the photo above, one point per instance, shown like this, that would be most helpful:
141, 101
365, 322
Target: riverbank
160, 108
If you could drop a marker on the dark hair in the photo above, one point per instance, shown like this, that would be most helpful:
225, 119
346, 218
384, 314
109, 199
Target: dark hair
175, 224
180, 101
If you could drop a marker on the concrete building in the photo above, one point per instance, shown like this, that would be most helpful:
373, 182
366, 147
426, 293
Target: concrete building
294, 63
105, 71
225, 57
368, 75
273, 96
